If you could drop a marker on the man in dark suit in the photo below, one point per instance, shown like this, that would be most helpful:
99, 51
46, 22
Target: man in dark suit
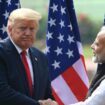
96, 94
24, 79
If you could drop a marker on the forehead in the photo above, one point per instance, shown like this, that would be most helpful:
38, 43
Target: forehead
100, 37
25, 22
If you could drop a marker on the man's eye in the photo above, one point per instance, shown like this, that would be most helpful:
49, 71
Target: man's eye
32, 29
22, 28
97, 44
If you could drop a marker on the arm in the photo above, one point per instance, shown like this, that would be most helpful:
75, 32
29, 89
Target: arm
97, 97
48, 89
7, 93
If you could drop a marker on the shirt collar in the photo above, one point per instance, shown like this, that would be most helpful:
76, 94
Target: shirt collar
19, 50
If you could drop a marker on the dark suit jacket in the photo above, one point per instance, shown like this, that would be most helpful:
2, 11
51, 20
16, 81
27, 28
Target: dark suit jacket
13, 83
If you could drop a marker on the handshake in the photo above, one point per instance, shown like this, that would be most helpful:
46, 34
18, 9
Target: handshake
47, 102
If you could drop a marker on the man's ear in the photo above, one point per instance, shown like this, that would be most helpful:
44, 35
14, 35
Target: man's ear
9, 29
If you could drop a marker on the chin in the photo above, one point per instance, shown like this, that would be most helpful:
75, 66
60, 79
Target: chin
95, 59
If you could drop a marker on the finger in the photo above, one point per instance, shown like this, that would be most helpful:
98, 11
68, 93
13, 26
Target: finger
41, 102
55, 103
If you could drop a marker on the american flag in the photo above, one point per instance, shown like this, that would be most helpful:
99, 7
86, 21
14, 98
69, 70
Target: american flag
64, 51
6, 6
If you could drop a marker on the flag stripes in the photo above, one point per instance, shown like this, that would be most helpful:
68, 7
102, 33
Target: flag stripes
64, 86
68, 74
71, 77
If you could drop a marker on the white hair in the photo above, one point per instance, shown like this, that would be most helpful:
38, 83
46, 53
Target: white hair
24, 14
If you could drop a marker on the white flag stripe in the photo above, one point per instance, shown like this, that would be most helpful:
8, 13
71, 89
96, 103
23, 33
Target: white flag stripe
63, 90
79, 68
80, 48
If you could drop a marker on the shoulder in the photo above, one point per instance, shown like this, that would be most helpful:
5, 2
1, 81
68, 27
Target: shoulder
3, 51
36, 52
4, 43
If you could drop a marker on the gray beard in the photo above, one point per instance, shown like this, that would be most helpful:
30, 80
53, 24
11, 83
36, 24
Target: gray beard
96, 59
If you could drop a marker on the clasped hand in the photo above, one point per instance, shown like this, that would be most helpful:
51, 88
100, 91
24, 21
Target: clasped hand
48, 102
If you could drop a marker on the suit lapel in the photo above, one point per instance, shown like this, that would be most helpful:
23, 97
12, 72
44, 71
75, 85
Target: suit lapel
34, 60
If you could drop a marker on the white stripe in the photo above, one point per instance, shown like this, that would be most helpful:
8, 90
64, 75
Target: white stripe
63, 91
79, 68
80, 48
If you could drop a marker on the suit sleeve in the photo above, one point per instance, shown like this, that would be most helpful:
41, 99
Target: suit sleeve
7, 94
49, 90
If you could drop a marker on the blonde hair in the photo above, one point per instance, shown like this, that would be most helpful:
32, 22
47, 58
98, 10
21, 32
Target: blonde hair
24, 14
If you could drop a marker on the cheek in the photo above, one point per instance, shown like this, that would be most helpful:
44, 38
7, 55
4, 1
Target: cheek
33, 38
16, 35
18, 32
99, 50
33, 35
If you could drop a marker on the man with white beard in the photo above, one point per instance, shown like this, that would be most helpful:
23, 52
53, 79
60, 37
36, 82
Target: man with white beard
96, 94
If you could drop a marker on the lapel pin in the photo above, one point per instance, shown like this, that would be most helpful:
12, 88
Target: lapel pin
36, 59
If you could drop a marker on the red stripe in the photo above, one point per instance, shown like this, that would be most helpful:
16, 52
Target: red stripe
57, 98
75, 83
82, 58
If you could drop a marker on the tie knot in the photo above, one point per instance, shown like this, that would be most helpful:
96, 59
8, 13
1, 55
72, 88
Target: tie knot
23, 52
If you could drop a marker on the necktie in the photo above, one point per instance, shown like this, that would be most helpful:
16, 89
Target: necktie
27, 70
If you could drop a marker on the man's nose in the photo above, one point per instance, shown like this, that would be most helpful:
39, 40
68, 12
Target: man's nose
28, 31
92, 46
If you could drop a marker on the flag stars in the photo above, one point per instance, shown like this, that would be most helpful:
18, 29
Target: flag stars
6, 14
52, 22
49, 35
9, 2
58, 51
6, 8
69, 53
18, 5
61, 38
47, 50
62, 24
56, 64
70, 39
4, 29
54, 7
70, 26
63, 10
